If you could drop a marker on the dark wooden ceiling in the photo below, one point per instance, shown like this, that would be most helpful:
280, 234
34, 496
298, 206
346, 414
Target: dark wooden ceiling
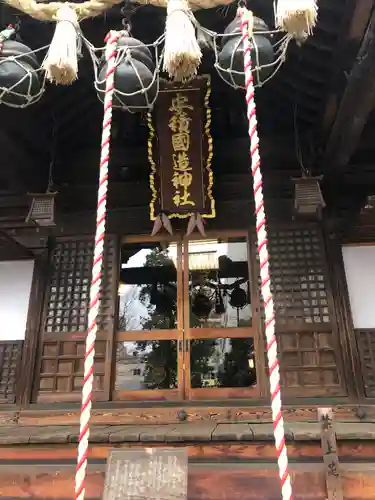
303, 97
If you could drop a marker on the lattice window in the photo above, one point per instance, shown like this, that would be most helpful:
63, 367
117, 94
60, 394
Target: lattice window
10, 357
68, 298
62, 366
298, 278
366, 347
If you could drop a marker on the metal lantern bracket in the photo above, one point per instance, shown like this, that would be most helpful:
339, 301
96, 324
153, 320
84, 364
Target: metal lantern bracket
42, 209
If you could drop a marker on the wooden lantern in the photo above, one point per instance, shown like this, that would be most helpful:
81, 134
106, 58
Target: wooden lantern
42, 210
370, 203
308, 198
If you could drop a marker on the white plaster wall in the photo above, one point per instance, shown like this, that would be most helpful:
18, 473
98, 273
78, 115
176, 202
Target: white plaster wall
15, 287
359, 262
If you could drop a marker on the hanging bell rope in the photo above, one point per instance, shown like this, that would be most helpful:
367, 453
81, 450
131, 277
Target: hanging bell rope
262, 240
182, 54
61, 62
297, 17
92, 8
96, 280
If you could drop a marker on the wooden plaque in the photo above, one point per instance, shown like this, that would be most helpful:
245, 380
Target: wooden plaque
180, 151
146, 474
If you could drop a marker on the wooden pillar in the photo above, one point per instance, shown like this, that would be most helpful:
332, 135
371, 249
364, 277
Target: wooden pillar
347, 339
27, 369
330, 457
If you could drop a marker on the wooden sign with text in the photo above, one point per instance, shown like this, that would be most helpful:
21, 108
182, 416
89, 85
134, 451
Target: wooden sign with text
330, 456
180, 151
147, 474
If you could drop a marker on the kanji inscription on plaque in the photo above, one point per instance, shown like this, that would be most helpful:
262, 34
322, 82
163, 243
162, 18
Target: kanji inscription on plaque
146, 474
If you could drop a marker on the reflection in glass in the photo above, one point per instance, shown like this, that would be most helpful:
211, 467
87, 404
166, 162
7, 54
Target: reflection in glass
150, 364
147, 292
219, 284
222, 363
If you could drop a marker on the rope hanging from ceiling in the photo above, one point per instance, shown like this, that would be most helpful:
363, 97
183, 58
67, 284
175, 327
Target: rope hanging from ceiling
273, 363
96, 280
246, 19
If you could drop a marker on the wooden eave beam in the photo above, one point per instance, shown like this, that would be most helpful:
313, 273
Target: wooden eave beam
16, 250
351, 35
355, 106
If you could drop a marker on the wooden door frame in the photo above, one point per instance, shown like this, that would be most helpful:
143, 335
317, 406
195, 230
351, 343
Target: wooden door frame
209, 333
174, 334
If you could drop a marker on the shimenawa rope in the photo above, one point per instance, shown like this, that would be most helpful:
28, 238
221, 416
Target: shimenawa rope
96, 280
91, 8
273, 364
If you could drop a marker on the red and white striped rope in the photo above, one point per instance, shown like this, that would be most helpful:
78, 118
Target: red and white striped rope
273, 363
96, 280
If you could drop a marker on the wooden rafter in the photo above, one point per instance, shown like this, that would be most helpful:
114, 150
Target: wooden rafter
355, 106
352, 30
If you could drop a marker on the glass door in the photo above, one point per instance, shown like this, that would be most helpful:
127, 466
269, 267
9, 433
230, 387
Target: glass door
186, 327
149, 339
219, 331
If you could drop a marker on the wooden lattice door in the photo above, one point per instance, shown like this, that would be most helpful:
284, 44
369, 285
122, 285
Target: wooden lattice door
311, 363
64, 324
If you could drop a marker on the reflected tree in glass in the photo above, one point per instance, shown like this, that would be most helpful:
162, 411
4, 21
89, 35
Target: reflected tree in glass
161, 357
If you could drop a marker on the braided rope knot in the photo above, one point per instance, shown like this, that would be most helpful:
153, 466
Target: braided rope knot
91, 8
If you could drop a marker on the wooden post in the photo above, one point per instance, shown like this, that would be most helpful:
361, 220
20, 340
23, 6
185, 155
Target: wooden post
330, 457
28, 373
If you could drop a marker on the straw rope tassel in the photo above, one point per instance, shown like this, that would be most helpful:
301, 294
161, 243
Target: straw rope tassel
273, 364
96, 280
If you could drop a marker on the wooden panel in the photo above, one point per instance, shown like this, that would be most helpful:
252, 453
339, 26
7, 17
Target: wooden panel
366, 347
155, 415
309, 358
61, 357
244, 452
62, 367
10, 358
250, 482
236, 482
